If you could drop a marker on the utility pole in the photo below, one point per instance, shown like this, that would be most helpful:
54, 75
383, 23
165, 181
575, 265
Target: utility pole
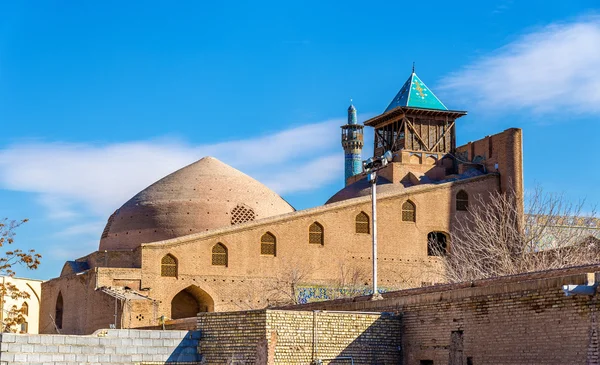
370, 168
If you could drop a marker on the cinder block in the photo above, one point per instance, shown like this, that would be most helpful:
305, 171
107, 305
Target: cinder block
34, 339
20, 357
21, 338
26, 348
58, 340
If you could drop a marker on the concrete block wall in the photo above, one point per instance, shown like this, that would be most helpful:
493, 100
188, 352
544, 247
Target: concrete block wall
103, 347
298, 337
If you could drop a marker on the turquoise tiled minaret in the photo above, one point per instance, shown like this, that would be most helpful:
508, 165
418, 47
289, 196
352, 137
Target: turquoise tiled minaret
352, 141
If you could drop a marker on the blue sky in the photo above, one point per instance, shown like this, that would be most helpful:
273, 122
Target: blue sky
100, 99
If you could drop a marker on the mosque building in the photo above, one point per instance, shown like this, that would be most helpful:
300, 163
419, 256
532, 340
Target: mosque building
210, 238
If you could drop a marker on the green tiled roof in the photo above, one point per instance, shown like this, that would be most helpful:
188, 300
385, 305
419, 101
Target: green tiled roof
414, 93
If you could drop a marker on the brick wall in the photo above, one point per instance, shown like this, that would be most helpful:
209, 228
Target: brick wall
298, 337
522, 319
504, 149
103, 347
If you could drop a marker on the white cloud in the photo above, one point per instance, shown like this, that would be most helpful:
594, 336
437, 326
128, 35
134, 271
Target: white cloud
555, 68
99, 178
309, 176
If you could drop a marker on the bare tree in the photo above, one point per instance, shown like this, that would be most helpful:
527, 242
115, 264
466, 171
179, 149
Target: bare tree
352, 281
284, 288
495, 238
13, 315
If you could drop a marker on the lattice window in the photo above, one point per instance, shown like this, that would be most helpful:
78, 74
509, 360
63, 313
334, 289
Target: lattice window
219, 255
268, 244
315, 234
108, 224
25, 309
462, 200
409, 212
362, 223
168, 266
242, 214
437, 244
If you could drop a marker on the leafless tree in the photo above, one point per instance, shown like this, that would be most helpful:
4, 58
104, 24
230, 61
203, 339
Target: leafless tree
495, 238
284, 288
352, 281
13, 316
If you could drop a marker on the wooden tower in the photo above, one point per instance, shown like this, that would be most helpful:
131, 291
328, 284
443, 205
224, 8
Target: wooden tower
415, 121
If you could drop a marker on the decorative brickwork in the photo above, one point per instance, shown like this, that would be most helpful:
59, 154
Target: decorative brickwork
409, 212
268, 244
315, 234
242, 214
362, 223
168, 266
219, 255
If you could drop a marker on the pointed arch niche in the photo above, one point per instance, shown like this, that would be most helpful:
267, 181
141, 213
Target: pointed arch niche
316, 233
58, 311
168, 266
362, 223
191, 301
220, 256
268, 244
409, 211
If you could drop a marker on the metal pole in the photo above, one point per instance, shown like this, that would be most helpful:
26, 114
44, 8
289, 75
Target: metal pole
373, 179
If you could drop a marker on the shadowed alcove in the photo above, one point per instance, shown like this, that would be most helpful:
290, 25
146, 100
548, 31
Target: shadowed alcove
189, 302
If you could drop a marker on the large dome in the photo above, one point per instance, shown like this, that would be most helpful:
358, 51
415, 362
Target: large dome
205, 195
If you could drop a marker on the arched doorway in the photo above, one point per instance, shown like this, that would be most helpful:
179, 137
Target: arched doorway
189, 302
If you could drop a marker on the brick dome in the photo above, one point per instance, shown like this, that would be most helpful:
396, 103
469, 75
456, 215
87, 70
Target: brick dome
205, 195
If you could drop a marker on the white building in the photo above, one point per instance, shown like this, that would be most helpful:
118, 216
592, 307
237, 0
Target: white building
32, 304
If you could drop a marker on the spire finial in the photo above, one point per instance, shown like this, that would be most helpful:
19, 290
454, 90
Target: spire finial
413, 67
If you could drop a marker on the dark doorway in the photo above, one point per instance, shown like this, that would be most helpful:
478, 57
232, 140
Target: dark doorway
58, 313
456, 348
189, 302
437, 244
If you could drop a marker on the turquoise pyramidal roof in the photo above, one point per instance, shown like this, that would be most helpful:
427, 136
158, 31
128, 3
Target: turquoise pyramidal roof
415, 94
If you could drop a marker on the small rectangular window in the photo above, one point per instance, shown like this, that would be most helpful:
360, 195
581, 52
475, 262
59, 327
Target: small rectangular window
426, 362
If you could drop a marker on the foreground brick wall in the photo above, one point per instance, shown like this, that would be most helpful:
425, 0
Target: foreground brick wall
524, 319
295, 337
114, 347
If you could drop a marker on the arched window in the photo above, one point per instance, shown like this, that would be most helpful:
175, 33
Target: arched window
168, 266
462, 200
362, 223
25, 309
409, 212
58, 313
315, 234
219, 255
437, 244
268, 244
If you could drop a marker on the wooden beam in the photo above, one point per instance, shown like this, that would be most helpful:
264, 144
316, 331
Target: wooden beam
417, 134
443, 135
